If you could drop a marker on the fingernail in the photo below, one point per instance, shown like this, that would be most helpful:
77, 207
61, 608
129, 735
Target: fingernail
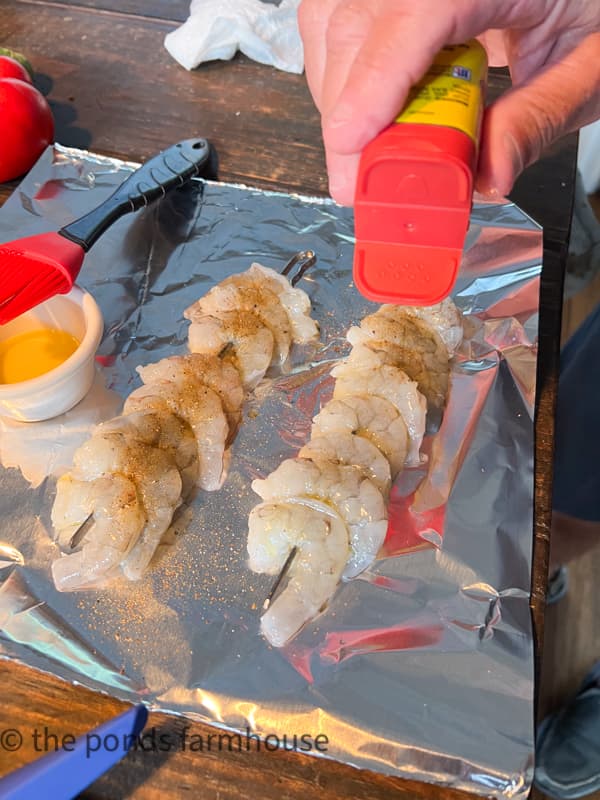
485, 182
499, 167
340, 191
486, 191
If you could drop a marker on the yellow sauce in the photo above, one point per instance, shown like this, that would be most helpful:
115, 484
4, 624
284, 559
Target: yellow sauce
34, 353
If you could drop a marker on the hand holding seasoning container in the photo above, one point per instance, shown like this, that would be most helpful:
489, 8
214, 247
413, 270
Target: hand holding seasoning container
415, 185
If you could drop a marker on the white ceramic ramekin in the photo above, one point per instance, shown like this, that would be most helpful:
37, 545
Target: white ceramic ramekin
64, 386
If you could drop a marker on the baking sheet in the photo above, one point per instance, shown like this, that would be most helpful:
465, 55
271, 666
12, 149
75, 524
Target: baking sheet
423, 665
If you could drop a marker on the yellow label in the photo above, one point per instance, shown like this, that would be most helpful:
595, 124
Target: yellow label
452, 92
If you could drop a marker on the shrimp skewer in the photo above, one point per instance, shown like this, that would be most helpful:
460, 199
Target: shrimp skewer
370, 417
406, 342
246, 305
164, 430
295, 301
151, 448
444, 318
420, 341
134, 471
241, 293
202, 410
367, 372
356, 499
119, 519
158, 484
321, 539
195, 371
349, 449
360, 440
241, 338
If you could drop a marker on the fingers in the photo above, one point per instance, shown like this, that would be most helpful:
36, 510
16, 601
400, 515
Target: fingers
397, 43
350, 25
524, 121
366, 82
363, 56
378, 78
493, 41
376, 51
343, 172
313, 21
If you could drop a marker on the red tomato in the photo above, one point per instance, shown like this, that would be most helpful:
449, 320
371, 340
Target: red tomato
9, 68
26, 127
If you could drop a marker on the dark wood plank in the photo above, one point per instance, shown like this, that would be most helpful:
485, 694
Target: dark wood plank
546, 193
261, 120
6, 189
175, 10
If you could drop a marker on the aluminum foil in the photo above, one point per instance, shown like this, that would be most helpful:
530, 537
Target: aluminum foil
420, 667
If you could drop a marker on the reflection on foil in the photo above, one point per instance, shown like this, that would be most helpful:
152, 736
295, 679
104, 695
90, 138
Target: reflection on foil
9, 556
423, 665
26, 620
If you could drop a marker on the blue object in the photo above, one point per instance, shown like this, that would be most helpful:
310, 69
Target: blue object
568, 757
576, 473
65, 773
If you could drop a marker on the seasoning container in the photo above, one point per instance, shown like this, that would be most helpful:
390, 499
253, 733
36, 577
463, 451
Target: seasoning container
47, 357
415, 185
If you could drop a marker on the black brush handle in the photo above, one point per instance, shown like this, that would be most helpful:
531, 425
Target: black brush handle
166, 171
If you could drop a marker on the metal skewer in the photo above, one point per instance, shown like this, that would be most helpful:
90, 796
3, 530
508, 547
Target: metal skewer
81, 532
305, 259
278, 581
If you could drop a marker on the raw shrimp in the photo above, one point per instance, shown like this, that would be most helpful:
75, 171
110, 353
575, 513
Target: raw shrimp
240, 336
202, 409
351, 450
164, 430
119, 519
323, 550
295, 301
356, 498
157, 479
242, 293
372, 418
408, 343
197, 369
366, 372
444, 318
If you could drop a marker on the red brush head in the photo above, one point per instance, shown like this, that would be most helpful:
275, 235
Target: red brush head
34, 269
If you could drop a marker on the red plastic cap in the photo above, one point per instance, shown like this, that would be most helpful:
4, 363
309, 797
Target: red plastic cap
412, 205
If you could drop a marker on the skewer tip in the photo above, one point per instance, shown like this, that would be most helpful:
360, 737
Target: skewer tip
279, 580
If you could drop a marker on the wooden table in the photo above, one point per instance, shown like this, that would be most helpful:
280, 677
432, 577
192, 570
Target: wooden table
115, 90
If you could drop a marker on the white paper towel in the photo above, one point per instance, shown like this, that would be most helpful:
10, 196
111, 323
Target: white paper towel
216, 29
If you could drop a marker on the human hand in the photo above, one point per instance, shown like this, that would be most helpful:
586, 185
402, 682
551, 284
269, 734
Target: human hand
363, 56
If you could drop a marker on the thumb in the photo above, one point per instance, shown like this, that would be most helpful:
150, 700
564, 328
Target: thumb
527, 119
